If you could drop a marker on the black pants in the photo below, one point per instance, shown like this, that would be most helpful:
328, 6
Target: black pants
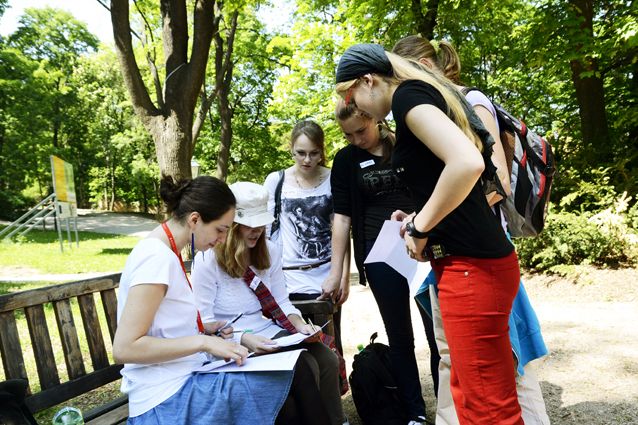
392, 294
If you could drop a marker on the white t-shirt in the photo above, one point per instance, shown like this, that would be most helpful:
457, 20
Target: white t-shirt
221, 297
304, 232
148, 385
475, 98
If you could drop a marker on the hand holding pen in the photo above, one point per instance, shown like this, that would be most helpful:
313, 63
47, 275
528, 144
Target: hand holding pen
228, 326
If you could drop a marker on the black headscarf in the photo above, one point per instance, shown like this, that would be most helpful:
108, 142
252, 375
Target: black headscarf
363, 59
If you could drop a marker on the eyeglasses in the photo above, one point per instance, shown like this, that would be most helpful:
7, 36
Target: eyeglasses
302, 155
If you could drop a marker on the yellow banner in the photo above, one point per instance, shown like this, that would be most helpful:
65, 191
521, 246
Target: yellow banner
63, 183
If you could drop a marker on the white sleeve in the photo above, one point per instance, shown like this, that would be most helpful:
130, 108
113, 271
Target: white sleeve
475, 97
278, 283
204, 281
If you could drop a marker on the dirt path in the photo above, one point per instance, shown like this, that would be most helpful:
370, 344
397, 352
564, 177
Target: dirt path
590, 324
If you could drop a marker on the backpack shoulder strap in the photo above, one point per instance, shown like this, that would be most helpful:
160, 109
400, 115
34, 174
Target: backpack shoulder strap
275, 224
466, 90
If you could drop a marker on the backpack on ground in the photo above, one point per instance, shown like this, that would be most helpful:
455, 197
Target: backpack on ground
274, 227
531, 165
374, 390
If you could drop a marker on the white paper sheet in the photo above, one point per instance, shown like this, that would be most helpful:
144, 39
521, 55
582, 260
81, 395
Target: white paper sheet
263, 363
288, 340
389, 248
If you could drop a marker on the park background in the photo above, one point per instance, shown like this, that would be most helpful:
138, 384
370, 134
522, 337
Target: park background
228, 92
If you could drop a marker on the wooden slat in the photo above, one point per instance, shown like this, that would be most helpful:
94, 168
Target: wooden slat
110, 413
93, 331
321, 311
41, 340
68, 390
109, 302
314, 306
10, 347
69, 338
38, 296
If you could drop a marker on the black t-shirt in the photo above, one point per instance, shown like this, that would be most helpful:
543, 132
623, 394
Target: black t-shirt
472, 229
382, 192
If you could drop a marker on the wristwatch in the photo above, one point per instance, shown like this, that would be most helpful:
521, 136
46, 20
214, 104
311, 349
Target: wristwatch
413, 232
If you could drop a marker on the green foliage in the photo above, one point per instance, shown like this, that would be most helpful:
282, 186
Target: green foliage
40, 250
572, 239
13, 205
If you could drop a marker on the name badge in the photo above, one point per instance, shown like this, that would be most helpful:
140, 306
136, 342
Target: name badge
367, 163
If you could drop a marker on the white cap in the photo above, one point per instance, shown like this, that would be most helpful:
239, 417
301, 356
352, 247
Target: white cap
252, 204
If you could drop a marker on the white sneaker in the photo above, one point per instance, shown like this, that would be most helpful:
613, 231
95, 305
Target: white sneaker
420, 421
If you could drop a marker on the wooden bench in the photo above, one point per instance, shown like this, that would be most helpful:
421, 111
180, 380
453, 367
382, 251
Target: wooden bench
82, 374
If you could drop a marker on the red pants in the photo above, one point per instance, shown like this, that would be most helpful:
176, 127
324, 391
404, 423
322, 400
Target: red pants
475, 296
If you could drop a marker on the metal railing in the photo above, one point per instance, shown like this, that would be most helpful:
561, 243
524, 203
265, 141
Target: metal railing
35, 216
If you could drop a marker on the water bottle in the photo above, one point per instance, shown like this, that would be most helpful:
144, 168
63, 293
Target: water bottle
68, 416
360, 347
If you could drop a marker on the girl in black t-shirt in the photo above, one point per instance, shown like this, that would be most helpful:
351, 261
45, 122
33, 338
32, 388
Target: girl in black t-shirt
365, 192
437, 155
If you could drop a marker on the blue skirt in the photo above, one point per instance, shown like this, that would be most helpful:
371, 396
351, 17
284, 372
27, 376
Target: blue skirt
223, 398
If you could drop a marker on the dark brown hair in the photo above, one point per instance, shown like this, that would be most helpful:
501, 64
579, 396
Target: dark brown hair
208, 196
444, 55
312, 131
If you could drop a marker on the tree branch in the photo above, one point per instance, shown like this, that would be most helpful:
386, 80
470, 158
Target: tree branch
130, 71
175, 40
203, 28
150, 59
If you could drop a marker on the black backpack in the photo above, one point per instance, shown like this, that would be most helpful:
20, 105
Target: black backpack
374, 391
274, 227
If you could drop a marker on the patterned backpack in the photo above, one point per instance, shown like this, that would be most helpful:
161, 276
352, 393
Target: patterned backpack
531, 166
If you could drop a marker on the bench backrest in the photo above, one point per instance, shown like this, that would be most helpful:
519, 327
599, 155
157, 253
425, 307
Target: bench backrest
31, 304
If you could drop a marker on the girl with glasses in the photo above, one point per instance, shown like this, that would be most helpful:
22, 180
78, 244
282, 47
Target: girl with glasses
301, 200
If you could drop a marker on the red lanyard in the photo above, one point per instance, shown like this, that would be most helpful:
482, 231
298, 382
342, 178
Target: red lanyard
200, 325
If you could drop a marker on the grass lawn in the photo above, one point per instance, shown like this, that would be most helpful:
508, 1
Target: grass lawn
40, 250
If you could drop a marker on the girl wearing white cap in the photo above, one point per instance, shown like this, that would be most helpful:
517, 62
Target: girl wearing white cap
244, 275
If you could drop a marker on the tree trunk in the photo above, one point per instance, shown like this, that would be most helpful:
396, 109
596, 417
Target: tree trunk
589, 88
170, 124
425, 22
226, 116
223, 78
173, 145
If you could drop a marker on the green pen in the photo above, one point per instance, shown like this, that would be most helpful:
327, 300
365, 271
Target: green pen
246, 331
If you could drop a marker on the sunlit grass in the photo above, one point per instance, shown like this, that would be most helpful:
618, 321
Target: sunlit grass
40, 250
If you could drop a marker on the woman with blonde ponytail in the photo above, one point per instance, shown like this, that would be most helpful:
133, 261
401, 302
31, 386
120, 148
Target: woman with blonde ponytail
524, 328
437, 156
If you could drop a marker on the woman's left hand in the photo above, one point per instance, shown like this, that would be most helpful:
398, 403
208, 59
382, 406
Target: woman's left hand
415, 247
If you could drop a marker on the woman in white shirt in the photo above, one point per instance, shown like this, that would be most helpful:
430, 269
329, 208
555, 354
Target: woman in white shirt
160, 337
226, 280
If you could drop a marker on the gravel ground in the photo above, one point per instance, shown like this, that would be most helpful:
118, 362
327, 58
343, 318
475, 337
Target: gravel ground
590, 324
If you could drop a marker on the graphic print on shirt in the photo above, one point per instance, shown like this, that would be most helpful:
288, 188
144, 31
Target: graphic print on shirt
310, 219
381, 181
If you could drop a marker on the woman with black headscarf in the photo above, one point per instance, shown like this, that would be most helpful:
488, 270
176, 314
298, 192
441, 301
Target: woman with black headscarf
438, 155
